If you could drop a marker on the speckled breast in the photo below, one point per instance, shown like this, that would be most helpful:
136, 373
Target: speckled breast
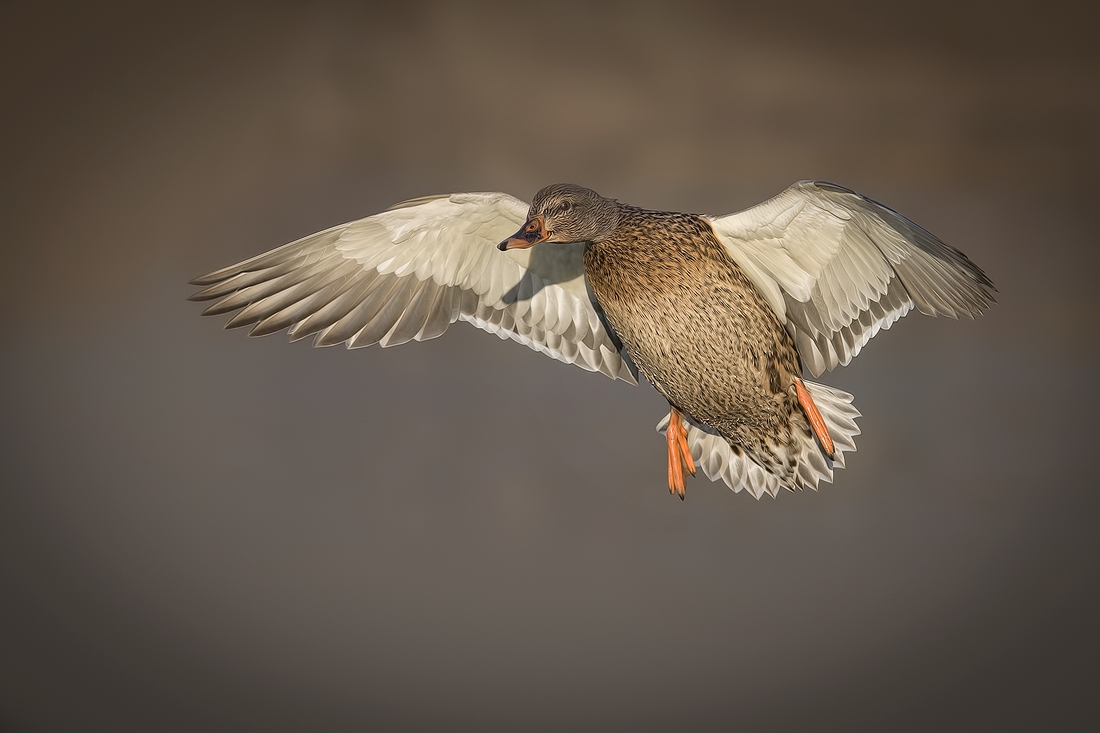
692, 321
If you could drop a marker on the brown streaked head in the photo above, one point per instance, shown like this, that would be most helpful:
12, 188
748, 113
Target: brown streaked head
563, 213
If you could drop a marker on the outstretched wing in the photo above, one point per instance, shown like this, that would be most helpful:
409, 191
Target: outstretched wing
837, 267
411, 271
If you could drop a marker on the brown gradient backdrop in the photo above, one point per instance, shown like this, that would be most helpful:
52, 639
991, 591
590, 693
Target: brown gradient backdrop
199, 531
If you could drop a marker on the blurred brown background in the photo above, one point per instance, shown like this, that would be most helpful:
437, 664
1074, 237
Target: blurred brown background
199, 531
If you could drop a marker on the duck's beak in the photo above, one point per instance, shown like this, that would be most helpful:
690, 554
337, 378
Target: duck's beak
530, 234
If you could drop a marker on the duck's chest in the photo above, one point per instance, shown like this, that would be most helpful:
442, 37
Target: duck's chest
687, 314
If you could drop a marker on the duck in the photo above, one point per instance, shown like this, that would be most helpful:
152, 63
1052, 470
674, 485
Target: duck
728, 317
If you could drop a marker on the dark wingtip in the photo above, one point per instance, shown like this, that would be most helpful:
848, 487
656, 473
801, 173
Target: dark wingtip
203, 280
201, 295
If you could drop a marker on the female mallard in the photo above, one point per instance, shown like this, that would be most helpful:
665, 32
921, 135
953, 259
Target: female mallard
721, 314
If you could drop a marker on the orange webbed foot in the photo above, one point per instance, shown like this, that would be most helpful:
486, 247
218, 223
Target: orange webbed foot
679, 455
813, 415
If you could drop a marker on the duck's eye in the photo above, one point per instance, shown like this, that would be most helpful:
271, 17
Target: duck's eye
565, 206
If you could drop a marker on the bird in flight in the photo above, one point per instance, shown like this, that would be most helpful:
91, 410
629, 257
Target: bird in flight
722, 314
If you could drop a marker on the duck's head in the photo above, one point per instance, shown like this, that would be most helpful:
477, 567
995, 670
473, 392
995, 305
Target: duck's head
565, 212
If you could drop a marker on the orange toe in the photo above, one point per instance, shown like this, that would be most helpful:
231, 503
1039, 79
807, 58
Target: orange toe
685, 451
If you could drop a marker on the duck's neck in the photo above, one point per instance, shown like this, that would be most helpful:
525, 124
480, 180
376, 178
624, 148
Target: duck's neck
607, 220
642, 229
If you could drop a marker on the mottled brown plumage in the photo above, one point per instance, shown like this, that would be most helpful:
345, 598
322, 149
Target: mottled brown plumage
699, 330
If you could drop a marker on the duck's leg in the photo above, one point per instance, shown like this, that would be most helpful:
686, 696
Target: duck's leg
679, 455
817, 423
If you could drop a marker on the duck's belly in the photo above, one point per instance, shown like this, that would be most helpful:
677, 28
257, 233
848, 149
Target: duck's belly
698, 329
